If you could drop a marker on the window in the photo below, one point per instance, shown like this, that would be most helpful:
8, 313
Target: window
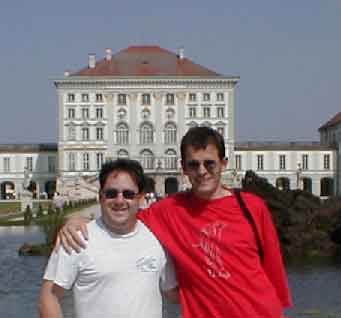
145, 99
99, 113
305, 162
146, 134
147, 159
7, 164
170, 99
192, 97
99, 133
72, 133
51, 163
220, 97
170, 134
207, 112
206, 97
122, 99
85, 113
85, 97
70, 98
326, 161
85, 133
282, 162
86, 165
71, 113
99, 98
260, 162
171, 159
29, 163
238, 163
192, 112
72, 161
122, 134
99, 160
220, 112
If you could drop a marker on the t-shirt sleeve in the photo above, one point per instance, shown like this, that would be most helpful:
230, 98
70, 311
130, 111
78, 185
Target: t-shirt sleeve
168, 277
62, 268
273, 261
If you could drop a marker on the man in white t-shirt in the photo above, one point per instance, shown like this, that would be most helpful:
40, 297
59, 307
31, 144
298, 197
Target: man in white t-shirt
124, 267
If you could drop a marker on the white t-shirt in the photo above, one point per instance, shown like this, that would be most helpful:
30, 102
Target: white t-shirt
116, 276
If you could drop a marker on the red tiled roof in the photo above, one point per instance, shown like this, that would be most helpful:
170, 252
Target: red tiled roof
332, 122
146, 61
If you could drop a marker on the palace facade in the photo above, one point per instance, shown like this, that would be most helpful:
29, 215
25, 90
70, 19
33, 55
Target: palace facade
138, 103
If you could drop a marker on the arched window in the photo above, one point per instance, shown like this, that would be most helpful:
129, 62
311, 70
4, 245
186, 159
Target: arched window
327, 187
146, 134
170, 134
147, 159
171, 159
122, 134
122, 153
283, 184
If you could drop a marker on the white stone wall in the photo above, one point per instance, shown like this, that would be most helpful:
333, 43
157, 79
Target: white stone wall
40, 173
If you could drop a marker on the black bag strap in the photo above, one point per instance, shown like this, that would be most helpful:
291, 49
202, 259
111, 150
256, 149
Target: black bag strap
250, 219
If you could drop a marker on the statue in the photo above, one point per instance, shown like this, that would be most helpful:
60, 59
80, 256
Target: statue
27, 179
26, 195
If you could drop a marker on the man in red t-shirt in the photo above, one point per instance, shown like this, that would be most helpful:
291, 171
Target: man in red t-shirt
218, 264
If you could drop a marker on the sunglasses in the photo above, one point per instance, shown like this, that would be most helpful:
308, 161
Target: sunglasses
194, 165
113, 194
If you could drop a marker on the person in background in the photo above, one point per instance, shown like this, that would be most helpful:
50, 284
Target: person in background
220, 270
123, 268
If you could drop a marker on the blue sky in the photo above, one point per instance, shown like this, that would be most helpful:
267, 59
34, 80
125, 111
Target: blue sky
287, 54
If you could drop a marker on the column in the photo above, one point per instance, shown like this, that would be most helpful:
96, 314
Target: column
133, 125
109, 98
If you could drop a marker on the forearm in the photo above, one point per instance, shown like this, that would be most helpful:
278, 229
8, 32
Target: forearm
49, 305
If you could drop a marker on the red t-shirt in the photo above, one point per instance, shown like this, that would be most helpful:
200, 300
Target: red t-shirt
218, 267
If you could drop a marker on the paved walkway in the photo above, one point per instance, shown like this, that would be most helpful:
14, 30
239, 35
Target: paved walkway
92, 210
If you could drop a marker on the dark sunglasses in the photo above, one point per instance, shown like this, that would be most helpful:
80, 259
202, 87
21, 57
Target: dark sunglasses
194, 165
113, 194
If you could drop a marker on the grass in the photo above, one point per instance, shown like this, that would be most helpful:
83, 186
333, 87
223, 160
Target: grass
7, 207
8, 221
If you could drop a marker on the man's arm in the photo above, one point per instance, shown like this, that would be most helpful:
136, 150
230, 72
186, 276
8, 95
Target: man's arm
49, 305
69, 237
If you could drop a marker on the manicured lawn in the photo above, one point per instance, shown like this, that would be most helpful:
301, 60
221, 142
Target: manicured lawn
7, 207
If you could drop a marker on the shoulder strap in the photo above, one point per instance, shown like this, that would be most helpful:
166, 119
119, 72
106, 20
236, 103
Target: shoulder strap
250, 219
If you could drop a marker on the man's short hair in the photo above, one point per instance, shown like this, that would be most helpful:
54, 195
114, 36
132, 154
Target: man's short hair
131, 167
199, 138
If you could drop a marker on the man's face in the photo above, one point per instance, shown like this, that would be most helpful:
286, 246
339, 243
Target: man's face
203, 168
120, 201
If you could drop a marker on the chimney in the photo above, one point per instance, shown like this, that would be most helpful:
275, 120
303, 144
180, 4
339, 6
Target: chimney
66, 73
92, 60
181, 53
108, 54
